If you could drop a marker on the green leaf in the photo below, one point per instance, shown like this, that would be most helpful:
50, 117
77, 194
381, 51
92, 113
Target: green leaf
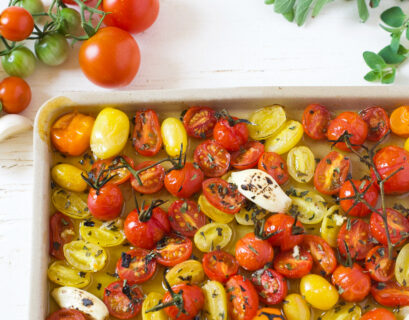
393, 17
289, 15
389, 77
392, 30
373, 60
269, 1
318, 7
372, 76
407, 33
392, 57
363, 10
374, 3
283, 6
301, 11
395, 41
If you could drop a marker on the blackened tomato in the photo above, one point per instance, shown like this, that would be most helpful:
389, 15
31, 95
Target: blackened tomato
184, 182
247, 156
66, 314
136, 266
274, 165
231, 134
185, 217
378, 264
173, 249
106, 203
253, 253
123, 302
378, 122
322, 253
146, 138
270, 285
359, 209
398, 226
199, 122
390, 294
152, 179
242, 298
293, 265
220, 265
212, 158
315, 121
61, 232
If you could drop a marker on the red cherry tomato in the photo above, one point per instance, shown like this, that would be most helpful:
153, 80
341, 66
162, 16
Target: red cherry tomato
185, 217
199, 122
322, 254
398, 226
247, 156
253, 253
358, 209
349, 122
16, 23
121, 175
352, 282
331, 173
66, 314
220, 265
152, 179
378, 122
274, 165
61, 232
270, 285
212, 158
15, 94
378, 314
231, 135
293, 266
123, 302
378, 264
173, 249
315, 121
242, 298
185, 182
390, 294
110, 58
146, 137
136, 266
106, 204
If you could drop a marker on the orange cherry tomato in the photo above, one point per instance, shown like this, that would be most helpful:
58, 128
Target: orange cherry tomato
16, 23
253, 253
378, 264
269, 314
315, 121
358, 209
400, 121
378, 314
15, 94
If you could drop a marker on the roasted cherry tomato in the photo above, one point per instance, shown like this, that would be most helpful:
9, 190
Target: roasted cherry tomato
146, 137
378, 122
265, 122
189, 272
173, 249
185, 217
68, 177
331, 173
61, 232
223, 195
247, 156
315, 121
314, 287
355, 233
349, 122
242, 298
301, 164
66, 314
199, 122
293, 264
398, 226
378, 264
123, 301
268, 314
213, 235
184, 182
359, 209
15, 94
321, 252
253, 253
296, 308
16, 23
212, 158
120, 175
378, 314
105, 203
85, 256
400, 121
152, 179
136, 266
274, 165
220, 265
231, 133
270, 285
390, 294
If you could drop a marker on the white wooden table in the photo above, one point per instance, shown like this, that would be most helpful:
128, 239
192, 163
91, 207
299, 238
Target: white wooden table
193, 44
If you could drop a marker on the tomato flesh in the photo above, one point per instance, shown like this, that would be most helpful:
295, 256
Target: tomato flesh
315, 121
248, 155
271, 286
123, 302
152, 179
61, 232
293, 266
173, 249
242, 298
220, 265
136, 266
398, 226
199, 122
378, 264
146, 137
274, 165
378, 122
185, 217
212, 158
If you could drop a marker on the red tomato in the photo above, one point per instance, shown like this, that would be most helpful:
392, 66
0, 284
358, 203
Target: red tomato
223, 195
322, 254
185, 182
398, 227
349, 122
15, 94
253, 253
144, 229
352, 282
185, 217
242, 298
247, 156
315, 121
61, 232
152, 179
173, 249
121, 175
66, 314
378, 122
231, 134
123, 302
356, 234
220, 265
270, 285
146, 138
212, 158
390, 294
106, 203
274, 165
199, 122
292, 265
285, 234
378, 264
331, 173
358, 209
136, 266
378, 314
387, 161
16, 23
110, 58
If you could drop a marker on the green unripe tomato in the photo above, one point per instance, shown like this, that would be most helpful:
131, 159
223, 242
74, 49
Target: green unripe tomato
52, 49
70, 21
20, 62
32, 6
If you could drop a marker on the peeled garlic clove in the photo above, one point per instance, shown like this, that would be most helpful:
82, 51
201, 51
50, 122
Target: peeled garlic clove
12, 124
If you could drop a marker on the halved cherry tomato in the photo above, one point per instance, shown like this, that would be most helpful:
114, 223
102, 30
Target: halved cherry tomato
286, 233
61, 232
270, 285
400, 121
66, 314
121, 175
16, 23
185, 217
123, 302
146, 137
378, 264
199, 122
321, 252
390, 294
173, 249
352, 282
349, 122
398, 226
136, 266
274, 165
152, 179
105, 203
315, 121
331, 173
253, 253
356, 234
358, 209
212, 158
231, 134
378, 314
242, 298
220, 265
184, 182
247, 156
378, 122
293, 265
223, 195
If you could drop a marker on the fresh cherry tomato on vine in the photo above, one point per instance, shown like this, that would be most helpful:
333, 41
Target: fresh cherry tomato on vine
247, 156
253, 253
66, 314
274, 165
212, 158
123, 301
105, 203
322, 253
152, 179
184, 182
358, 209
355, 233
378, 122
146, 138
231, 134
61, 232
270, 285
378, 314
242, 298
136, 266
185, 217
315, 121
20, 62
390, 294
173, 249
398, 226
16, 23
52, 49
283, 232
15, 94
220, 265
199, 122
292, 265
378, 264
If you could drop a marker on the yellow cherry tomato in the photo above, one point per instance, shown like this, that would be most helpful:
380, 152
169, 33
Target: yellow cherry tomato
101, 280
215, 305
301, 164
68, 177
189, 271
266, 121
309, 205
286, 138
174, 136
102, 233
318, 292
211, 236
151, 300
406, 146
245, 215
296, 308
72, 204
110, 133
85, 256
212, 212
347, 311
63, 274
402, 266
331, 224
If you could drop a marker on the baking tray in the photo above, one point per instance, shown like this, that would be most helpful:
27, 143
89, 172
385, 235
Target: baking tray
234, 99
